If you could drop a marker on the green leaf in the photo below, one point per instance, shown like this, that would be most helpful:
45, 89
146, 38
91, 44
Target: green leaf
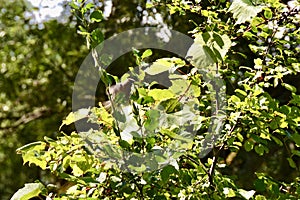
229, 192
248, 146
244, 10
166, 172
289, 87
179, 86
278, 141
75, 116
97, 36
89, 6
218, 39
205, 36
268, 13
260, 185
152, 121
296, 138
296, 152
159, 66
141, 168
235, 99
210, 53
226, 45
259, 149
260, 197
170, 105
248, 34
33, 153
246, 194
73, 5
291, 162
149, 5
198, 56
217, 54
29, 191
241, 92
96, 16
175, 136
200, 53
146, 53
30, 146
161, 94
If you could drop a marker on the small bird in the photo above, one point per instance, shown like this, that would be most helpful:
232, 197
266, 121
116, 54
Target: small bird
121, 90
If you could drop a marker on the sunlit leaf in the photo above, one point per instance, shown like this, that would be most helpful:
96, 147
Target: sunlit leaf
268, 13
29, 191
75, 116
246, 194
198, 56
159, 66
206, 51
146, 53
289, 87
160, 94
229, 192
244, 10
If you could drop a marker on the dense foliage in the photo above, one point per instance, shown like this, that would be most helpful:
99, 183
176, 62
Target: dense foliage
254, 47
38, 66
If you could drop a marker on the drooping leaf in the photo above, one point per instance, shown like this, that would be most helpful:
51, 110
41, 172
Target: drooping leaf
217, 54
210, 53
244, 10
218, 39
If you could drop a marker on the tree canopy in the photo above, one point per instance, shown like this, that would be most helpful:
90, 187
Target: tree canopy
219, 121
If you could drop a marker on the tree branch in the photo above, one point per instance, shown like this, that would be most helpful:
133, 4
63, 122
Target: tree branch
35, 114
